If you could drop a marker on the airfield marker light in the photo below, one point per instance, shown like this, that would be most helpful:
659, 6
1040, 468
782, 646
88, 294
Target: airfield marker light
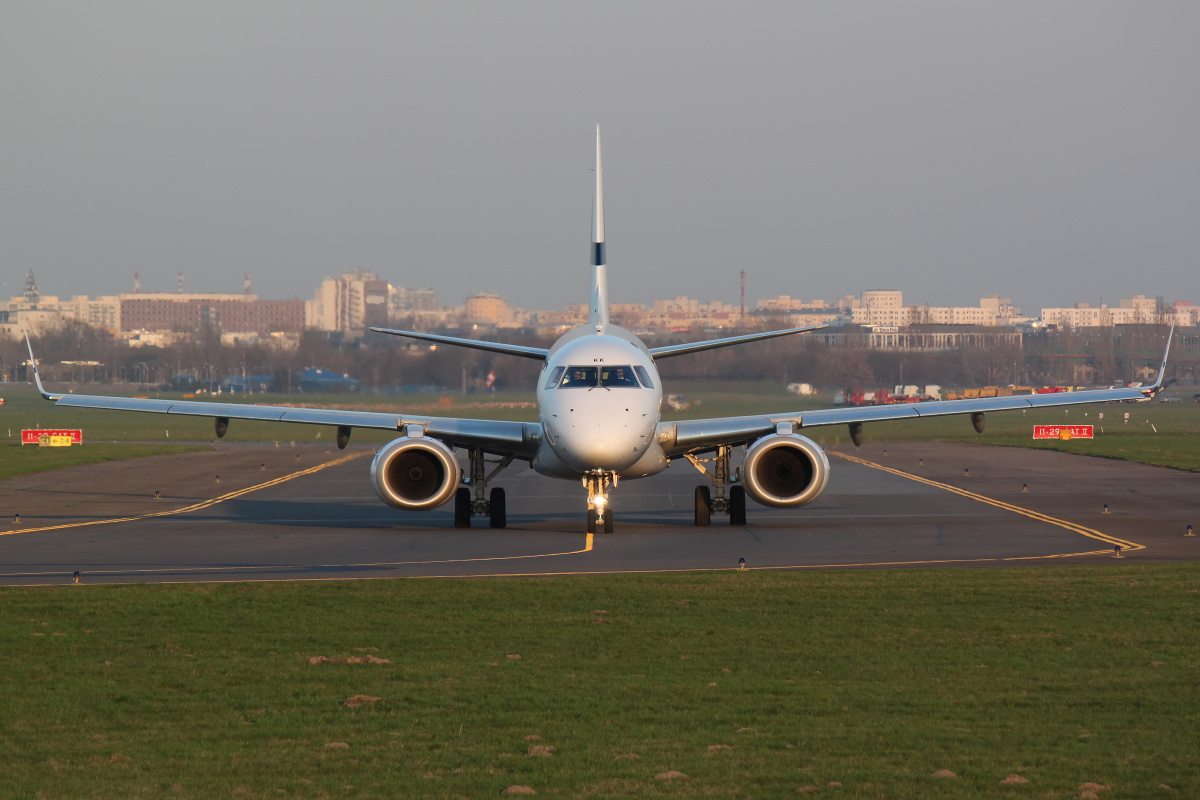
920, 462
1024, 487
16, 519
1189, 531
741, 563
218, 479
75, 577
297, 455
157, 494
966, 472
262, 466
885, 452
1106, 508
1117, 551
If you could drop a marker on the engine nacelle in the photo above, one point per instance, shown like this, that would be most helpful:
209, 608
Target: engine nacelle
415, 473
785, 470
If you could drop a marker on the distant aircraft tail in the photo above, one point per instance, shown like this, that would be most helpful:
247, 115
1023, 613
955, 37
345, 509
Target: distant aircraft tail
598, 304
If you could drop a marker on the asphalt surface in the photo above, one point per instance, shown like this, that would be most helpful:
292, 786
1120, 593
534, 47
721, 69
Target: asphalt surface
308, 513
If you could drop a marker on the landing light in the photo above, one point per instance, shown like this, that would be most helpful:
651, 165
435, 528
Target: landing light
599, 501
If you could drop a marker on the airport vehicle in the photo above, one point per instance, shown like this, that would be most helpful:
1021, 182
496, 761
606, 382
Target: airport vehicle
598, 400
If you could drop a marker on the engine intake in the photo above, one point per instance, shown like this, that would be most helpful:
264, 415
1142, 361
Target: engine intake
785, 470
415, 473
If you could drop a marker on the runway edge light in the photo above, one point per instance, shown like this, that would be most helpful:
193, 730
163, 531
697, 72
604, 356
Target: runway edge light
1117, 551
1189, 531
75, 577
741, 563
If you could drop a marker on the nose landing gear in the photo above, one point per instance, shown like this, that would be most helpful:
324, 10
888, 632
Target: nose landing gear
599, 515
491, 505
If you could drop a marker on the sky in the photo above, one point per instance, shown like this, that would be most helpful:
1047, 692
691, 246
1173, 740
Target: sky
1047, 152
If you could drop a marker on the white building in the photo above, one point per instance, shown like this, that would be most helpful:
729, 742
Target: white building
351, 303
1135, 310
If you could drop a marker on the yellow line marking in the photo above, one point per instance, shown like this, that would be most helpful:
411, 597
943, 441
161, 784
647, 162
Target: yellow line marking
1071, 526
195, 506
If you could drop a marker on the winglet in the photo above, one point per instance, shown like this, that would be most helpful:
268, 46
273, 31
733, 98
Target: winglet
37, 378
1159, 384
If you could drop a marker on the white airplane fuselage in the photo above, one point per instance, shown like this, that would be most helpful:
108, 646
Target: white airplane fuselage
598, 399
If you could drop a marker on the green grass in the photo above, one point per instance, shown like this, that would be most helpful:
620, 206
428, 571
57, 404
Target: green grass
872, 679
17, 460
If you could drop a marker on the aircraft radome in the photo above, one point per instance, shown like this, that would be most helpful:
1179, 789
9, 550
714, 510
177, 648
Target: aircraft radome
598, 400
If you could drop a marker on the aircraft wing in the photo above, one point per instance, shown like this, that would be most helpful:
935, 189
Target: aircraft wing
538, 353
686, 436
692, 436
711, 344
498, 437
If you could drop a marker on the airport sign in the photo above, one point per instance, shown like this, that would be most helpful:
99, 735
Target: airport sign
54, 438
1063, 431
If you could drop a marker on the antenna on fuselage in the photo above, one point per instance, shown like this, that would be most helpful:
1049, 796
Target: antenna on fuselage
598, 305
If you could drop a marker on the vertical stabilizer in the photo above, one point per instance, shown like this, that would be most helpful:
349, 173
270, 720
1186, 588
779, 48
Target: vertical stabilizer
598, 305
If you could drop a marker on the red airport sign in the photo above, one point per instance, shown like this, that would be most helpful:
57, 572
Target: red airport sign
1062, 432
47, 437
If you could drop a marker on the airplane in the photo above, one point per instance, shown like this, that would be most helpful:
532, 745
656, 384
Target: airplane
598, 398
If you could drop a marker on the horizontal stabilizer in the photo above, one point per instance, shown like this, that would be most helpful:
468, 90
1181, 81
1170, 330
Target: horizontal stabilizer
712, 344
539, 353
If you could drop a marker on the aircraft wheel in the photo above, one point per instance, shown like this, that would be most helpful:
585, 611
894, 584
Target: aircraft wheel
499, 510
608, 521
737, 505
703, 507
591, 520
462, 508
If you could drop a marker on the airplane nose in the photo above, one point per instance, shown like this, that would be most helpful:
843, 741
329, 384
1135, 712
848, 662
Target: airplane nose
598, 440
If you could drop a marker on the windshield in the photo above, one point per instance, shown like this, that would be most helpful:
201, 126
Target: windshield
579, 376
591, 377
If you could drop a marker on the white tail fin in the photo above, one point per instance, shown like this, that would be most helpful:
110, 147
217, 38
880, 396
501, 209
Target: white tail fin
598, 304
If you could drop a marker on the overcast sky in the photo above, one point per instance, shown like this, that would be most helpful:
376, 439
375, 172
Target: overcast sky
1043, 151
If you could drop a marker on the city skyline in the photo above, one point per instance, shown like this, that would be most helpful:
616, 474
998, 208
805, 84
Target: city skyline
356, 301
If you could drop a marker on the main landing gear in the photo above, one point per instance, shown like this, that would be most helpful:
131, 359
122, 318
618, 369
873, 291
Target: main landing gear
491, 505
705, 503
599, 515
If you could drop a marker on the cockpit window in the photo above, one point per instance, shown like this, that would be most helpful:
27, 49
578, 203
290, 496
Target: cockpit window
591, 377
555, 374
579, 376
618, 376
644, 377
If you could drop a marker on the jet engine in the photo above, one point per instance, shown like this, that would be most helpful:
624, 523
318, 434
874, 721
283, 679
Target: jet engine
415, 473
785, 470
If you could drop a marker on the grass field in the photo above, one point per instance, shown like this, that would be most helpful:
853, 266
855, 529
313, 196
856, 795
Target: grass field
750, 684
